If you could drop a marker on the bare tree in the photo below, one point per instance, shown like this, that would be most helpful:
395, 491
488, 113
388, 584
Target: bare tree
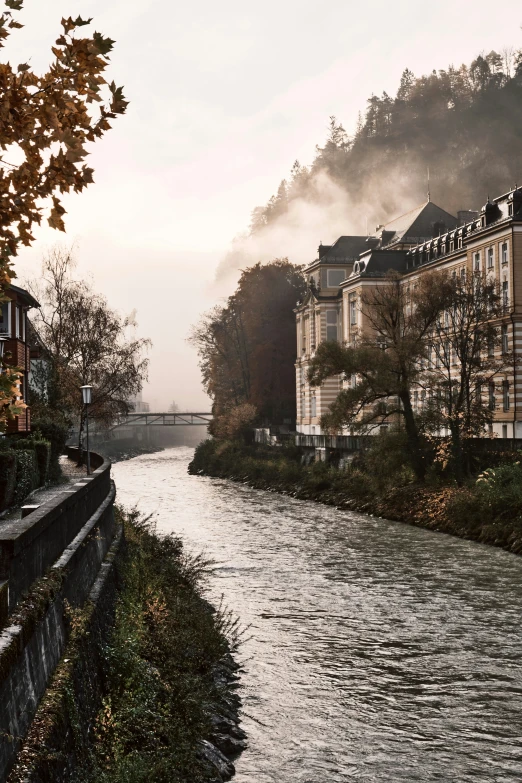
87, 343
468, 351
385, 364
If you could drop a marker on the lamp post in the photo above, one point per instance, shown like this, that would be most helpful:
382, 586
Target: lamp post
87, 399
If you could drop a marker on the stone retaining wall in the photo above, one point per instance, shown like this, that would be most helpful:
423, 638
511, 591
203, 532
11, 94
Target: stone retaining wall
29, 546
51, 559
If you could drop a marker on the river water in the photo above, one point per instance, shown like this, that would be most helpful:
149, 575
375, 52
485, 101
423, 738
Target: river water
376, 651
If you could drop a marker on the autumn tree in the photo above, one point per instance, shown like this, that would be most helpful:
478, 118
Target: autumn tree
86, 342
247, 346
383, 367
46, 122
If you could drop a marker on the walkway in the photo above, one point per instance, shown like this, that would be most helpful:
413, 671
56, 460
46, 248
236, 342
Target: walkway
71, 473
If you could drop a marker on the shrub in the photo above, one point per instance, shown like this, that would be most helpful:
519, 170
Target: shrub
56, 432
27, 476
42, 450
7, 478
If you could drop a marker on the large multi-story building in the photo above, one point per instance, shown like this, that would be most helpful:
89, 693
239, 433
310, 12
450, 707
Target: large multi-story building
488, 240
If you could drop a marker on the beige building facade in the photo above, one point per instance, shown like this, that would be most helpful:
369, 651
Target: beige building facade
488, 241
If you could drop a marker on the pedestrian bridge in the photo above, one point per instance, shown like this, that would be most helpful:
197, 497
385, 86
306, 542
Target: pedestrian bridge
163, 420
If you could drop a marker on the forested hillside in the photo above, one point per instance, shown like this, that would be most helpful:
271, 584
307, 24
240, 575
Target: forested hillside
464, 123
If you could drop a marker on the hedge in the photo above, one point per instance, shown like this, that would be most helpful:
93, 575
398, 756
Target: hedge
56, 433
7, 478
27, 474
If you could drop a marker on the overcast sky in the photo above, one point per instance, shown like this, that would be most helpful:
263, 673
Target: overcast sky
224, 97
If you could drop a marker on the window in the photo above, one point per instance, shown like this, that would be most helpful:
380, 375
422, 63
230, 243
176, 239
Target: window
476, 262
504, 253
429, 352
505, 294
314, 406
423, 398
331, 324
459, 242
491, 395
491, 346
302, 374
505, 395
303, 406
415, 399
354, 381
353, 312
490, 258
505, 342
510, 210
463, 273
19, 322
5, 318
303, 336
452, 245
335, 277
504, 430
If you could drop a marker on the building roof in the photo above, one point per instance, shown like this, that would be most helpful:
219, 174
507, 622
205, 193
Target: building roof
24, 295
417, 225
376, 263
344, 249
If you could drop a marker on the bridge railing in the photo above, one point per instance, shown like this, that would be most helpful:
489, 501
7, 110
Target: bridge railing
164, 420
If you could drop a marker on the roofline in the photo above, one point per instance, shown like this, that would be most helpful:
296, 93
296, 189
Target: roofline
22, 292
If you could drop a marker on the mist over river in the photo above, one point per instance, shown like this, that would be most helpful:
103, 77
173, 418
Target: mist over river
376, 651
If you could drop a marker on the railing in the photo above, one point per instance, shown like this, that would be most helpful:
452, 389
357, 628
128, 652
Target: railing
163, 419
342, 442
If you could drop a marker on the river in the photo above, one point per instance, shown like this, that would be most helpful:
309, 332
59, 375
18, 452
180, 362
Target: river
376, 651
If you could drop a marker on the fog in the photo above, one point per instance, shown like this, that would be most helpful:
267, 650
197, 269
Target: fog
224, 97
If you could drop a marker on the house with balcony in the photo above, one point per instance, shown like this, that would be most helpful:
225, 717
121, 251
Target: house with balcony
14, 331
488, 240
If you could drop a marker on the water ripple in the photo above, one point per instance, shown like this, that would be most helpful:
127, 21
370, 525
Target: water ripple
377, 651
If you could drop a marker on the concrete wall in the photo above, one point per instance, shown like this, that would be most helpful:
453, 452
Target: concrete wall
53, 556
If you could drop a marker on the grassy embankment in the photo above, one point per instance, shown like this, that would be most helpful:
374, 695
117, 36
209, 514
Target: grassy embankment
488, 508
140, 703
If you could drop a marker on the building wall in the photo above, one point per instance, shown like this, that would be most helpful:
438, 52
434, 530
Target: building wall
352, 323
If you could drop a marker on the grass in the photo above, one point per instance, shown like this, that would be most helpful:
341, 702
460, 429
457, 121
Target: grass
132, 705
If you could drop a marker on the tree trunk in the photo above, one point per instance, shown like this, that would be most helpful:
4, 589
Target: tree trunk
418, 458
456, 447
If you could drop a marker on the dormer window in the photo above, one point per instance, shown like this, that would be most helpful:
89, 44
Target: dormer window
459, 243
510, 210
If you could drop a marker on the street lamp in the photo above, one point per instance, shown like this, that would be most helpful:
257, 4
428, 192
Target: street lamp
87, 399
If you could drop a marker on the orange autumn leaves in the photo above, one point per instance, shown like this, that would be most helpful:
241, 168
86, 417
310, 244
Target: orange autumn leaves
46, 123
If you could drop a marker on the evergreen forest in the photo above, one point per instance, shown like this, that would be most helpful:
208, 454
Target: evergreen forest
463, 124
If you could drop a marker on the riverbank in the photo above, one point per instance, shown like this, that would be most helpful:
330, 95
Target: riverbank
155, 698
488, 509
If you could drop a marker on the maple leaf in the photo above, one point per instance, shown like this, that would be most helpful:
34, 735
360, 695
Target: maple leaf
79, 22
37, 111
103, 45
